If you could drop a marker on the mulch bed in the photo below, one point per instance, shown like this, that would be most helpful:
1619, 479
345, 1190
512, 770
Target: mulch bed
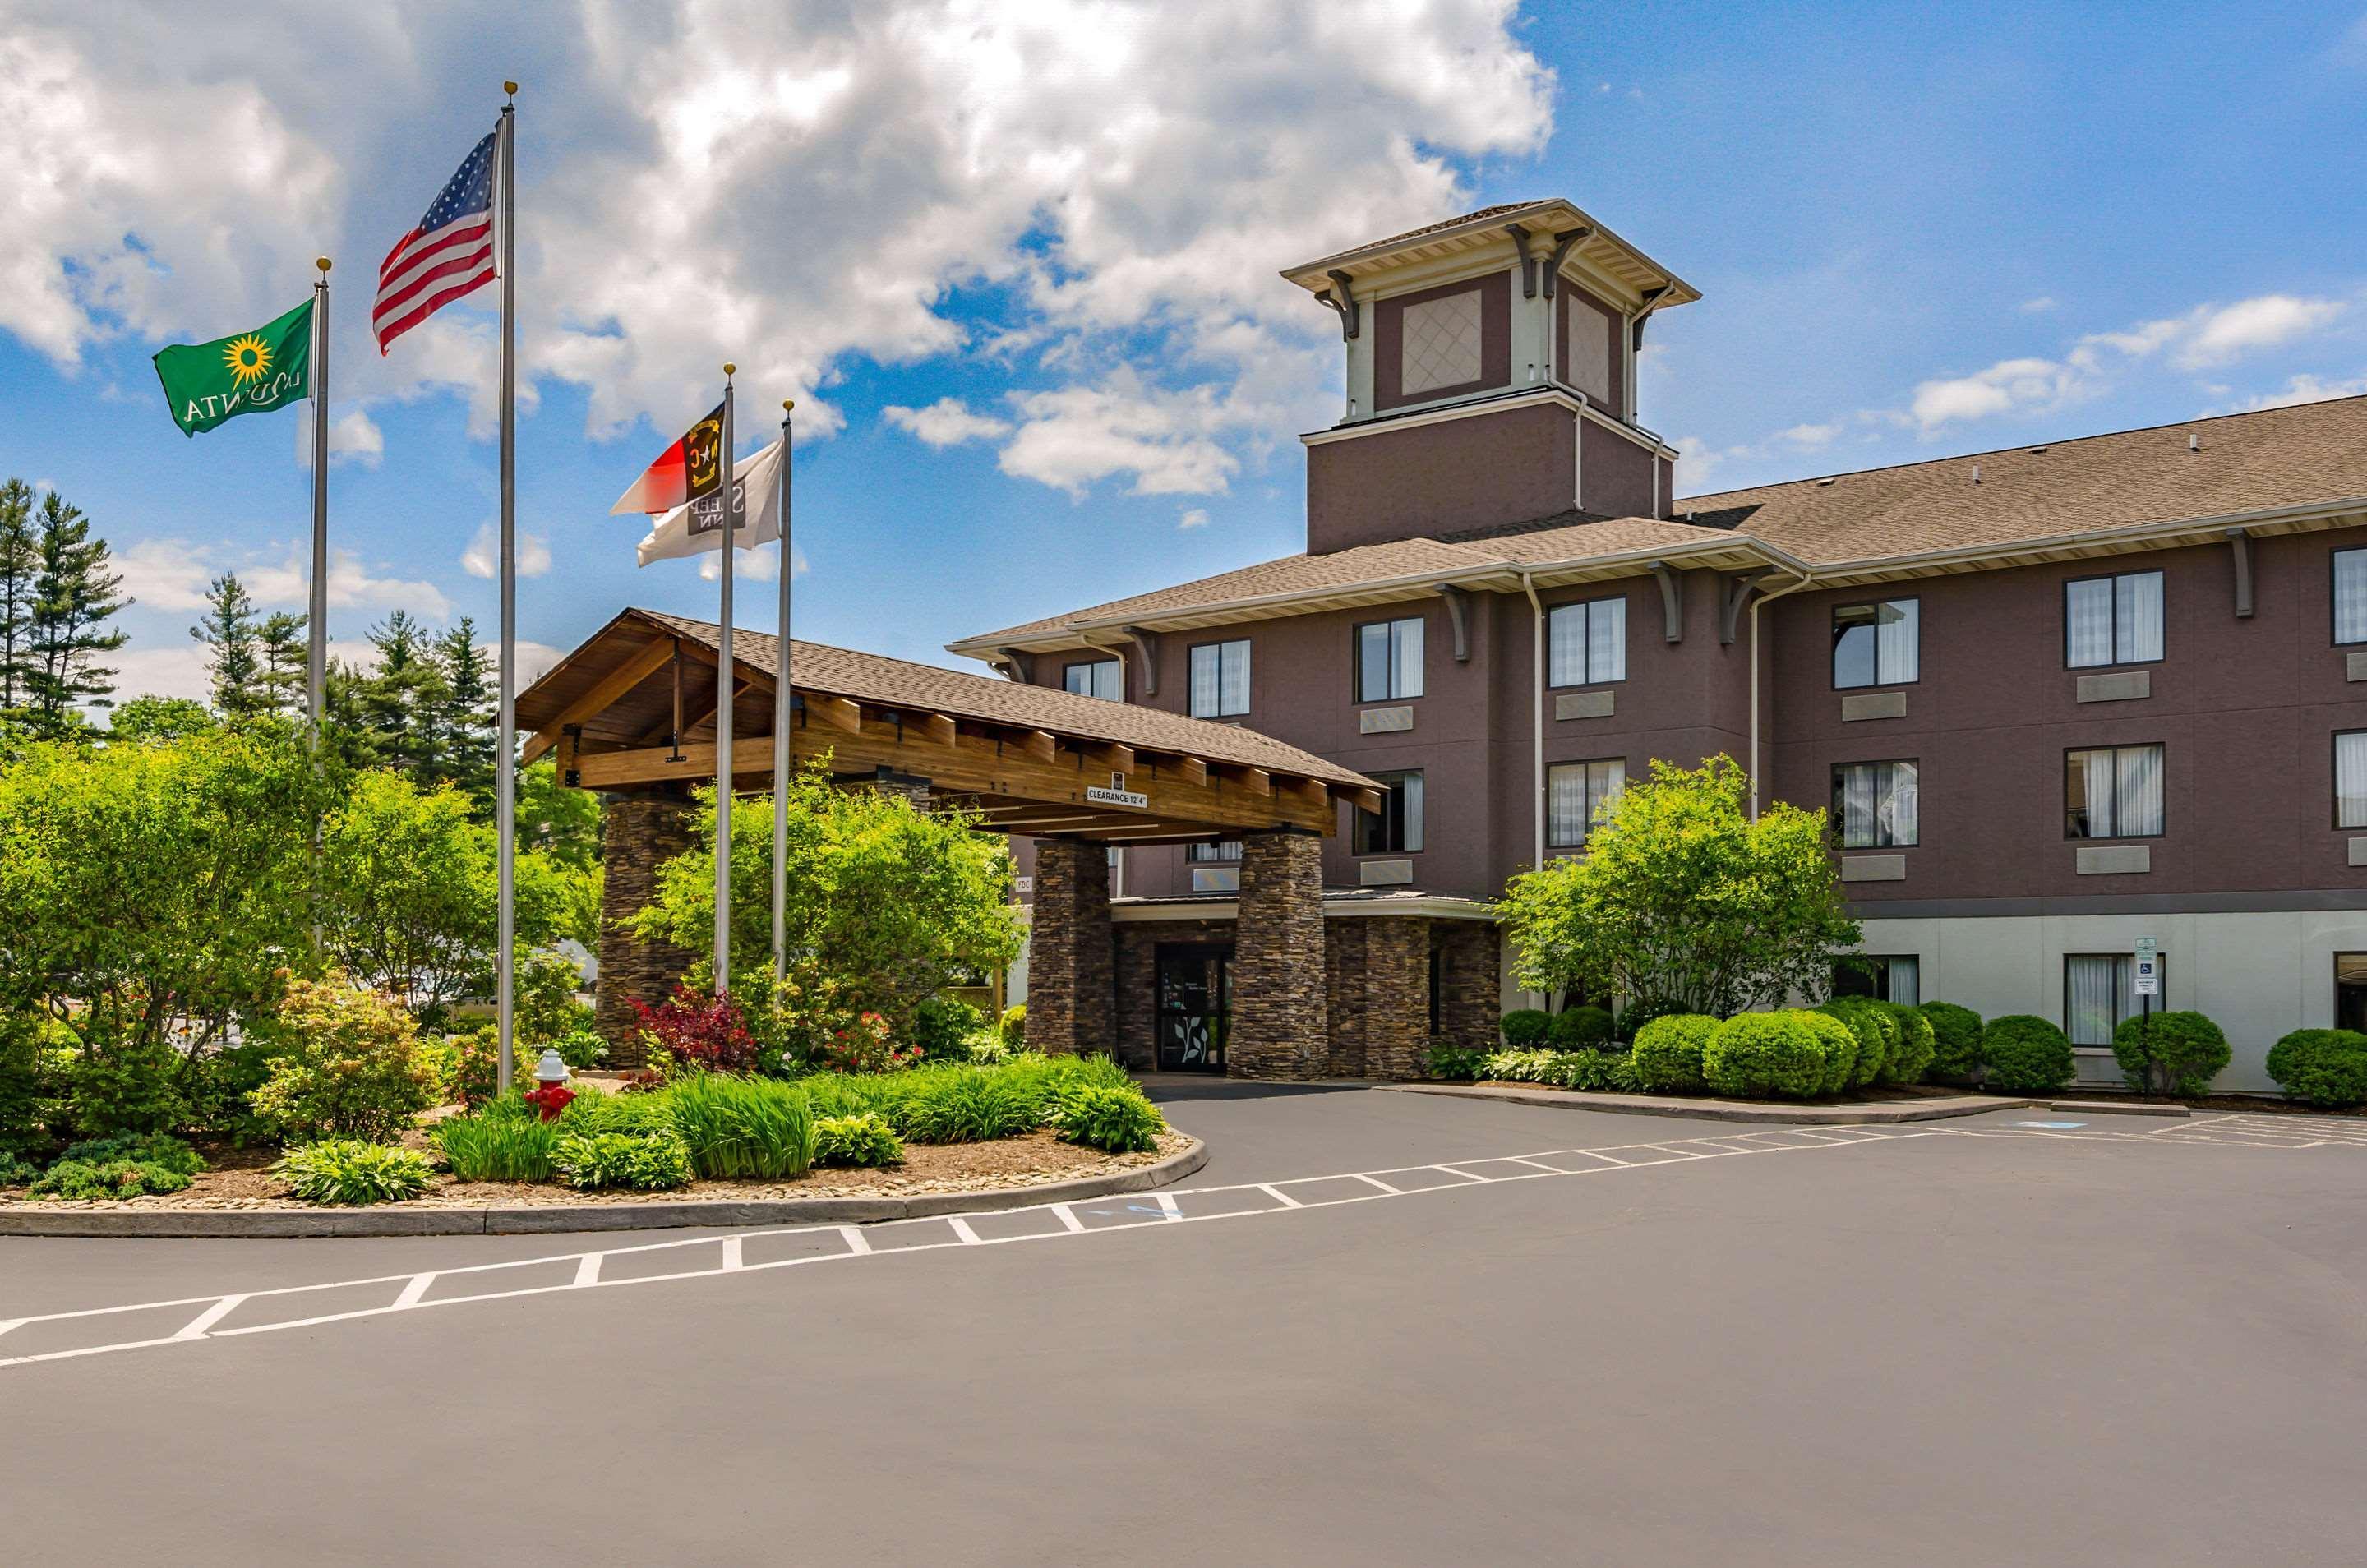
239, 1178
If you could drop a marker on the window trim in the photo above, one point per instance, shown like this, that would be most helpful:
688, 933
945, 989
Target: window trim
1249, 702
2072, 583
1553, 610
1914, 599
1093, 664
1588, 830
2070, 751
2333, 779
2333, 599
1840, 844
1383, 777
1357, 658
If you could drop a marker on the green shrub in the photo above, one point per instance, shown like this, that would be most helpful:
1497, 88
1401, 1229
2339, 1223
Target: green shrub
2321, 1066
498, 1147
15, 1172
642, 1162
29, 1082
2171, 1052
1580, 1029
742, 1128
864, 1139
349, 1171
1013, 1027
81, 1179
1115, 1120
972, 1105
1955, 1041
592, 1111
346, 1063
581, 1049
1595, 1071
1525, 1027
1454, 1063
1668, 1055
125, 1085
546, 1011
942, 1027
1839, 1042
1759, 1055
141, 1148
1637, 1014
2026, 1054
1867, 1049
1912, 1057
986, 1049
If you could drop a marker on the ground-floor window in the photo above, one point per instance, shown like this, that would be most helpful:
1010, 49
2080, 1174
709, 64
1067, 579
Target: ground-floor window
2351, 991
2099, 991
1222, 850
1888, 977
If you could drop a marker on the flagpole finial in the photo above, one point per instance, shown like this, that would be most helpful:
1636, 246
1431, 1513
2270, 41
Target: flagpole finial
321, 262
729, 367
511, 88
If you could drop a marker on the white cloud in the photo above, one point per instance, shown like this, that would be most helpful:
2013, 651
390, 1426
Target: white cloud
1193, 517
170, 670
2039, 306
1168, 441
165, 574
2309, 389
762, 564
2215, 336
948, 422
483, 555
1809, 437
353, 435
352, 585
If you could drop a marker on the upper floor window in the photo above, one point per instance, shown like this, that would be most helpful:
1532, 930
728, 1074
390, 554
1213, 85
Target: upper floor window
1586, 644
1397, 829
1877, 645
1388, 661
1887, 978
1103, 678
1575, 793
1876, 804
2350, 779
2112, 792
1220, 678
2112, 620
1223, 849
2350, 595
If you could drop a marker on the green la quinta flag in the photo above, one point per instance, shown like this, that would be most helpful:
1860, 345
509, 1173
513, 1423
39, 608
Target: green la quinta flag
254, 372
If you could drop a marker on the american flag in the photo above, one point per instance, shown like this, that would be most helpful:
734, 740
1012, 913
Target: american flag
448, 252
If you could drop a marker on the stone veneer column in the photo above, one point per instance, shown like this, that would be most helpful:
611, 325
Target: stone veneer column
1471, 984
1280, 1020
1397, 997
640, 833
1070, 983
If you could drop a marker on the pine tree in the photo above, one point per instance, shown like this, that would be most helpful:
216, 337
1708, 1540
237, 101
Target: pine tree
74, 597
287, 670
404, 700
21, 559
469, 713
231, 632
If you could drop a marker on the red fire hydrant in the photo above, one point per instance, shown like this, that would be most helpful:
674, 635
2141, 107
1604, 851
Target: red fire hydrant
550, 1094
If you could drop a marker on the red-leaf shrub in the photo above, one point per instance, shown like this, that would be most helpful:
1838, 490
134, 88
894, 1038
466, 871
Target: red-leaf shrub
863, 1047
702, 1030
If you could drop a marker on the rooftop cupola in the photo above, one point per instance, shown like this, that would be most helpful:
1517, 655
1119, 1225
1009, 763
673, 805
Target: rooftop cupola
1509, 336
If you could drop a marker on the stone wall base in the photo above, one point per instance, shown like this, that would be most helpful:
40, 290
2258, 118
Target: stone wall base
640, 833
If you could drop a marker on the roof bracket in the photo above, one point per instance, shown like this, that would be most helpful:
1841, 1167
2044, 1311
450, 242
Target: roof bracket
1562, 243
1672, 600
1458, 610
1644, 313
1014, 665
2242, 543
1528, 261
1146, 643
1342, 301
1740, 587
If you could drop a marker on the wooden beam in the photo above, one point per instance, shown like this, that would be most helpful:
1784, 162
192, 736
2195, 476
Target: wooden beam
1118, 759
693, 719
836, 711
1191, 769
1040, 744
940, 729
1370, 800
612, 688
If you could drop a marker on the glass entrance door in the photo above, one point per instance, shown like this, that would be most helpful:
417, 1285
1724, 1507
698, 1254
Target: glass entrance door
1194, 999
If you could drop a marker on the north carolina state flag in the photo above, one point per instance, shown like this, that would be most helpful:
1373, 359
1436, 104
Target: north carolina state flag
691, 468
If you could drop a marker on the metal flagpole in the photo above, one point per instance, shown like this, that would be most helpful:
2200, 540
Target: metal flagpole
781, 725
506, 728
725, 674
316, 658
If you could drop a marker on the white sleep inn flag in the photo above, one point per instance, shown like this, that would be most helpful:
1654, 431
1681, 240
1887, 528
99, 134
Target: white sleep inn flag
696, 528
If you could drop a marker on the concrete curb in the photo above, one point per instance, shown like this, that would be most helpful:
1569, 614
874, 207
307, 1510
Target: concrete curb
2118, 1108
1933, 1110
540, 1219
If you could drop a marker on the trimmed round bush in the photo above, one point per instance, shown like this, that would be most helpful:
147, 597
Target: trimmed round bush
942, 1027
1115, 1120
1668, 1056
864, 1139
1580, 1029
1015, 1026
2026, 1054
1873, 1044
1917, 1045
1525, 1028
2321, 1066
1839, 1042
2173, 1053
1639, 1012
1955, 1041
1764, 1055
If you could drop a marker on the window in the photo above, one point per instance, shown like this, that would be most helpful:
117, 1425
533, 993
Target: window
2350, 595
1875, 804
2350, 779
1575, 792
1388, 661
1220, 679
2351, 991
1875, 644
2112, 620
2099, 990
1224, 849
2112, 792
1886, 979
1103, 678
1396, 830
1587, 643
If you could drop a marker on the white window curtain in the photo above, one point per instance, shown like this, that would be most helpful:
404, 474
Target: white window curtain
2090, 999
2350, 779
1895, 654
2103, 820
1405, 642
1878, 805
2138, 809
2138, 615
1203, 680
1233, 683
1100, 679
1566, 653
1576, 793
2088, 612
1607, 641
1906, 982
1411, 839
2350, 595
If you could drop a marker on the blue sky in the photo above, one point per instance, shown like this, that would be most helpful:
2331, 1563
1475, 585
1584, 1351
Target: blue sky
1917, 230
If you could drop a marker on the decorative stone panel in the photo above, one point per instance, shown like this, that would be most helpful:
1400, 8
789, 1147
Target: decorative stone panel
1343, 977
1397, 997
1070, 954
2114, 859
1874, 868
1470, 984
1384, 872
1280, 1023
1216, 879
1859, 705
1384, 721
640, 833
2354, 666
1585, 704
2120, 686
2359, 851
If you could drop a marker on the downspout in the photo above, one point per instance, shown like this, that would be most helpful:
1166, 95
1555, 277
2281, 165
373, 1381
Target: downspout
1806, 578
1578, 457
1536, 729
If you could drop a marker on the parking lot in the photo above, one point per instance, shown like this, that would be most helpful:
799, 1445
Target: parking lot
1376, 1328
